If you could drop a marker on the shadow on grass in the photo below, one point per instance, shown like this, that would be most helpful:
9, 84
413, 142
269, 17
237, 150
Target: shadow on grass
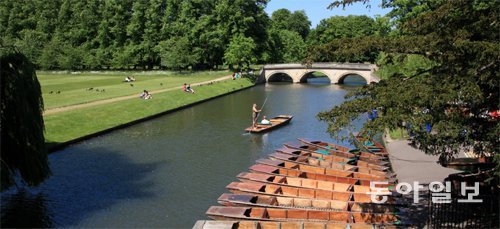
83, 182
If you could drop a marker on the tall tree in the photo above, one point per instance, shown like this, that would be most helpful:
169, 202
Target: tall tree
176, 53
343, 27
22, 140
240, 51
283, 19
446, 105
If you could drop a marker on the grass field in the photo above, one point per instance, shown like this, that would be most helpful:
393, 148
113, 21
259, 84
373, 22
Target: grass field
74, 123
62, 89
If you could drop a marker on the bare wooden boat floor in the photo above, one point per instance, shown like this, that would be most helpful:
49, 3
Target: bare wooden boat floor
277, 214
268, 169
286, 191
324, 171
332, 158
255, 200
306, 183
317, 149
309, 161
334, 149
227, 224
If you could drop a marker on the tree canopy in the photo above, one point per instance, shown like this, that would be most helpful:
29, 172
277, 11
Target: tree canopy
124, 34
446, 100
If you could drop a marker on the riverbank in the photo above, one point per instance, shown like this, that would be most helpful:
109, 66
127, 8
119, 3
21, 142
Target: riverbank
64, 128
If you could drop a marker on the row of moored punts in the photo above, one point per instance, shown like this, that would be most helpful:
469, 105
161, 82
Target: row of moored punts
312, 184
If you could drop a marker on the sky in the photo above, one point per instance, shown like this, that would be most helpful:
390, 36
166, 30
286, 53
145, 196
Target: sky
316, 9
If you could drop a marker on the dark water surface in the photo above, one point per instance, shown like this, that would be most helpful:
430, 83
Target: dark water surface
168, 171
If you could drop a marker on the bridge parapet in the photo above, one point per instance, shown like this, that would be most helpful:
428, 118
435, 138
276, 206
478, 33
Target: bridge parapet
352, 66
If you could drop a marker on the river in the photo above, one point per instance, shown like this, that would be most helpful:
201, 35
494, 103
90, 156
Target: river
168, 171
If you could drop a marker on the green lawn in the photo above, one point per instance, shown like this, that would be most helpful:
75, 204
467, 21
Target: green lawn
398, 134
73, 88
68, 125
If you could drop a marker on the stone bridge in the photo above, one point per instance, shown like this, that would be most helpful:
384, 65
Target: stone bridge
336, 72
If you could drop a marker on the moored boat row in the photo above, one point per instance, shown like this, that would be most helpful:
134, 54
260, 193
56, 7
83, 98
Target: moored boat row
313, 182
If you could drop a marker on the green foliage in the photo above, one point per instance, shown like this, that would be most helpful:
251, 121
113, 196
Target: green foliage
450, 82
288, 45
22, 136
342, 27
240, 52
406, 65
176, 53
286, 36
283, 19
336, 33
124, 34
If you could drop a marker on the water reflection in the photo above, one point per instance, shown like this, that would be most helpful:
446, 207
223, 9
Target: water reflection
25, 210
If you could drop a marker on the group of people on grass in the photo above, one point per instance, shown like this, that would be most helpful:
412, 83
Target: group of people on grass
146, 95
236, 75
187, 88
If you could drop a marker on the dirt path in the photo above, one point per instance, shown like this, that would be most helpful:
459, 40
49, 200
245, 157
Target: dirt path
112, 100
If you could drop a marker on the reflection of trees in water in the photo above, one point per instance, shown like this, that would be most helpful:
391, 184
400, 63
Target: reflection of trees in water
23, 210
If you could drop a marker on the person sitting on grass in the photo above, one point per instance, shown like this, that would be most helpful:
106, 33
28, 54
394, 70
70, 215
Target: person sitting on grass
189, 89
129, 79
146, 95
265, 121
184, 87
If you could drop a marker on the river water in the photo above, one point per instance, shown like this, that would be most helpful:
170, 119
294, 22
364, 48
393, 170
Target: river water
168, 171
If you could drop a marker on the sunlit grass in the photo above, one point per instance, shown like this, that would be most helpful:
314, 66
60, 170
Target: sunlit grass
68, 125
398, 134
64, 89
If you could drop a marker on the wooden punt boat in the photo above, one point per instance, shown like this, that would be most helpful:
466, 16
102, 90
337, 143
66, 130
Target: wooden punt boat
317, 149
330, 159
321, 170
253, 200
268, 169
277, 121
371, 146
311, 161
327, 145
317, 163
287, 191
334, 148
278, 214
247, 224
305, 183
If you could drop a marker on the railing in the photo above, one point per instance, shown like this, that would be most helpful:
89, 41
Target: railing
465, 215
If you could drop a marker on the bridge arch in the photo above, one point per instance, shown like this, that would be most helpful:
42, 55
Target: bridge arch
280, 76
345, 75
303, 78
